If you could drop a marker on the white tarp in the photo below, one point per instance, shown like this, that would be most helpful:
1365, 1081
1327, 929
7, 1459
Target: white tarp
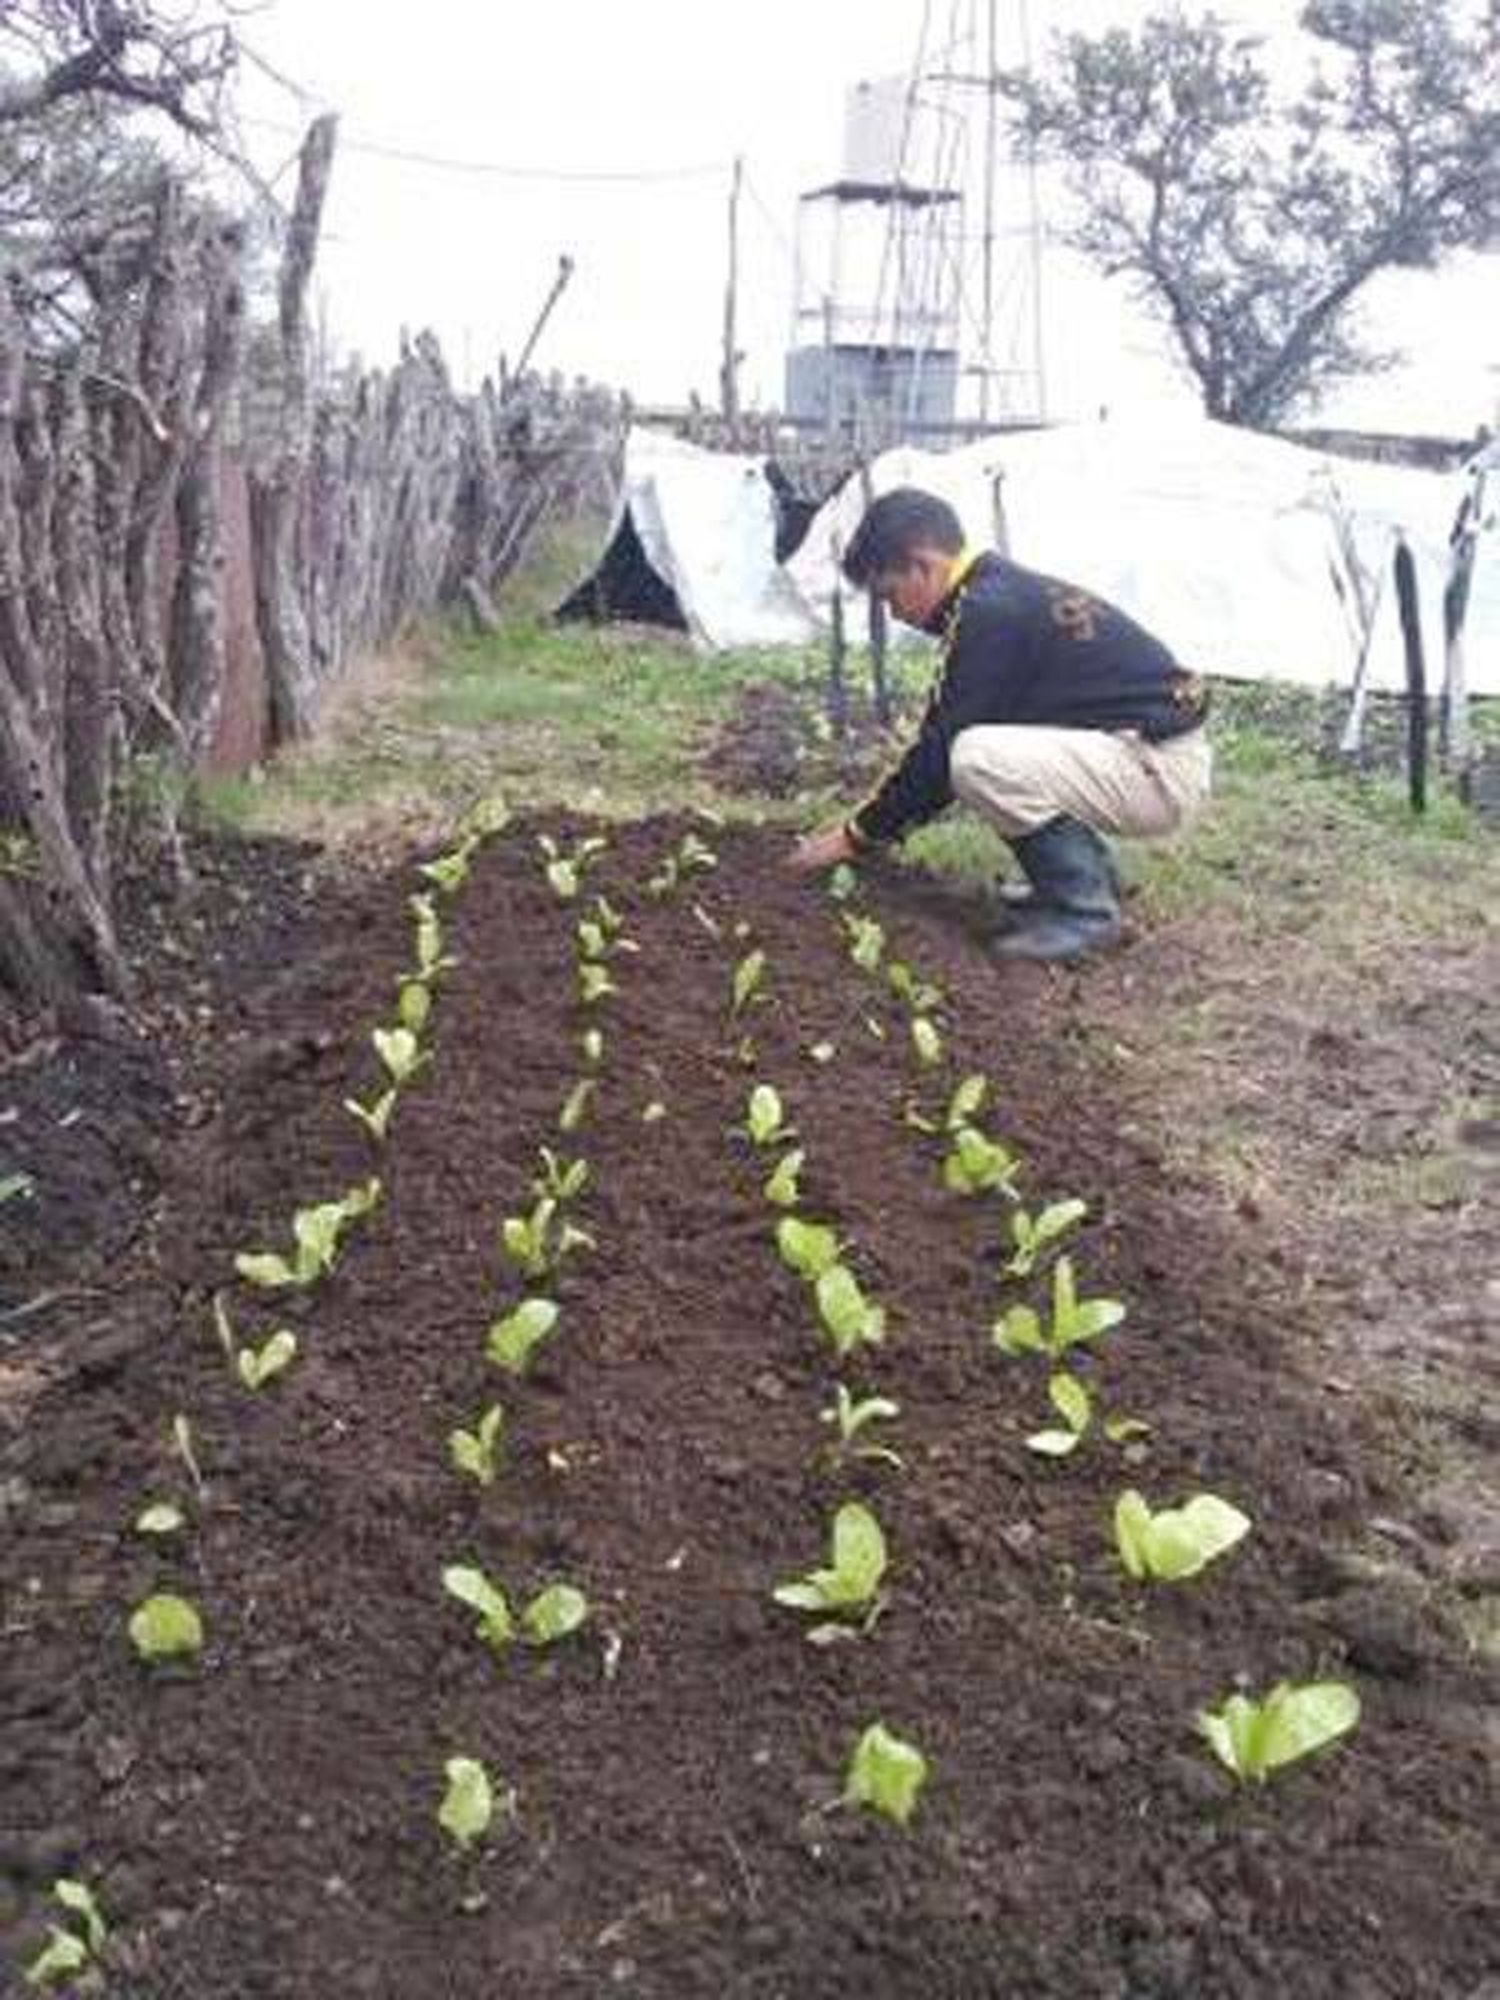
707, 523
1235, 548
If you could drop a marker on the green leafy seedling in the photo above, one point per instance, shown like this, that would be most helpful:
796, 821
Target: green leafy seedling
920, 995
400, 1052
885, 1774
763, 1120
16, 1187
65, 1953
542, 1241
592, 1044
927, 1042
843, 883
317, 1231
695, 856
1254, 1738
850, 1586
852, 1417
654, 1112
431, 963
1074, 1405
749, 976
468, 1802
258, 1365
808, 1248
513, 1340
159, 1517
450, 871
413, 1004
553, 1613
575, 1104
1020, 1330
375, 1117
850, 1318
1032, 1235
1177, 1542
182, 1444
476, 1452
472, 1587
594, 982
967, 1101
165, 1627
782, 1188
866, 941
560, 1180
976, 1164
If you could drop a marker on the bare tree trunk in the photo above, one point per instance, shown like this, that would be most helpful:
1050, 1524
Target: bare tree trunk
276, 492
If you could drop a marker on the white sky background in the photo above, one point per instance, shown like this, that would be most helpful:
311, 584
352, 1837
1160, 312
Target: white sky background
594, 86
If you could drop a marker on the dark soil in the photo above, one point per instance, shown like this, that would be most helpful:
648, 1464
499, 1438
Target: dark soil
263, 1823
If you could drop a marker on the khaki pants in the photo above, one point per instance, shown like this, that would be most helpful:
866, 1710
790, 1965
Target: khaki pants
1020, 775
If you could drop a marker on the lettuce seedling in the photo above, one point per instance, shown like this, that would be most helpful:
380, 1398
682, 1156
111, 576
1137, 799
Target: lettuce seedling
551, 1615
978, 1165
431, 964
160, 1517
853, 1416
592, 1043
920, 995
866, 941
400, 1052
1074, 1405
746, 984
259, 1365
843, 883
413, 1004
594, 982
763, 1120
808, 1248
65, 1954
317, 1231
1177, 1542
850, 1318
927, 1042
967, 1101
562, 1180
165, 1627
475, 1452
1254, 1738
565, 871
374, 1117
468, 1803
182, 1444
654, 1112
886, 1774
451, 870
540, 1242
850, 1586
513, 1340
472, 1587
16, 1187
575, 1104
782, 1187
1020, 1330
1032, 1234
608, 917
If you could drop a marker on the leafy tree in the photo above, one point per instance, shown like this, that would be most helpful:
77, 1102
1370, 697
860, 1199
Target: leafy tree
1250, 215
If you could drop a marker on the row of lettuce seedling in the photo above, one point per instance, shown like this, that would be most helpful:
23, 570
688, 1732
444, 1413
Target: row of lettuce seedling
167, 1626
1172, 1544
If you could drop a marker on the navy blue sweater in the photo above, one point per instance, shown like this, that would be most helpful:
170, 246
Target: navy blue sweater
1021, 647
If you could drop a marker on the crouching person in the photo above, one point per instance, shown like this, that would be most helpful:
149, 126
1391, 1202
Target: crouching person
1052, 714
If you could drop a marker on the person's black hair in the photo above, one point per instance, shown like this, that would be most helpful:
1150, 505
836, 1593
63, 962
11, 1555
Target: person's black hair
894, 527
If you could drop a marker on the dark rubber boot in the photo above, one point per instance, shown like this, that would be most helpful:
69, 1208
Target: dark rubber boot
1075, 906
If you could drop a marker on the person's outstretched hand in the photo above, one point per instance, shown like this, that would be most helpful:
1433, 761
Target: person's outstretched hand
824, 849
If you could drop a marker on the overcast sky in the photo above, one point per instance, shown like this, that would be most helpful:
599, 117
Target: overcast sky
669, 92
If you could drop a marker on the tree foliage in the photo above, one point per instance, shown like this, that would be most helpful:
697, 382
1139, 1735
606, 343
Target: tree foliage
1250, 213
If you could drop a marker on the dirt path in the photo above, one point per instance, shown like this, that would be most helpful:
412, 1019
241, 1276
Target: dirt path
263, 1824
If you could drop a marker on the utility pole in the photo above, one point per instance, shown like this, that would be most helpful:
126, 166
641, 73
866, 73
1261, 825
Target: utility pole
729, 367
1034, 222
